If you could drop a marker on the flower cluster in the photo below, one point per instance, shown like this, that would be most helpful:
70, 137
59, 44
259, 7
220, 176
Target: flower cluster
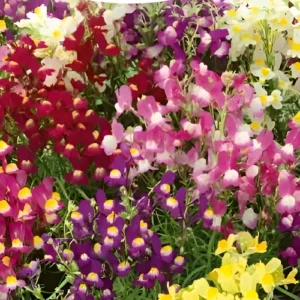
17, 10
236, 278
53, 116
112, 237
21, 210
267, 33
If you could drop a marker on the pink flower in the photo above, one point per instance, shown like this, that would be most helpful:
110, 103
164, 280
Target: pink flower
124, 97
151, 112
290, 197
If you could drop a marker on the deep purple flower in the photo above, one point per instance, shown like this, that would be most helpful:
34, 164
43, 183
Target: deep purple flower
85, 257
137, 235
163, 189
176, 205
111, 234
117, 175
105, 206
121, 268
143, 281
83, 220
107, 289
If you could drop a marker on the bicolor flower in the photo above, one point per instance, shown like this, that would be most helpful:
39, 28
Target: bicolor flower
290, 197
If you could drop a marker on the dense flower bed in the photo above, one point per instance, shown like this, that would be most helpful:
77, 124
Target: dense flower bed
137, 141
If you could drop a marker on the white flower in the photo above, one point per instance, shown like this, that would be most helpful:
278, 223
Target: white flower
281, 19
295, 12
261, 97
269, 123
68, 78
252, 13
256, 126
295, 68
259, 57
71, 23
39, 14
263, 73
109, 144
66, 57
276, 99
110, 16
34, 19
295, 44
53, 31
56, 65
241, 36
232, 16
281, 44
283, 80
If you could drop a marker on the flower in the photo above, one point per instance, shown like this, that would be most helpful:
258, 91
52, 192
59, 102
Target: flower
235, 275
289, 197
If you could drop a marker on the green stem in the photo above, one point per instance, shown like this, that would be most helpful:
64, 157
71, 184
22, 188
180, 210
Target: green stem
58, 289
209, 251
283, 291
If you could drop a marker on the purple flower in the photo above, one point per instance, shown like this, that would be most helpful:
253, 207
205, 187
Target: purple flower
29, 270
85, 257
82, 220
111, 233
17, 9
105, 206
117, 176
163, 189
107, 289
175, 205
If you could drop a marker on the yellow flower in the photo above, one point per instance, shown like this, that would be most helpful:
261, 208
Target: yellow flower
203, 289
296, 118
2, 26
201, 286
273, 265
226, 245
245, 241
235, 279
290, 279
247, 284
269, 275
268, 283
164, 297
251, 295
190, 295
226, 279
213, 275
255, 247
172, 293
173, 290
